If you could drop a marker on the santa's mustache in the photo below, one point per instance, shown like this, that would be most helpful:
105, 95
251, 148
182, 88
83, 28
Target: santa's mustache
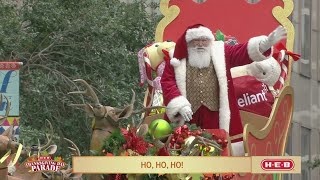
200, 49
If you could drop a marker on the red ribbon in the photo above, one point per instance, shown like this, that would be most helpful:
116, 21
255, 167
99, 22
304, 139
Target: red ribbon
294, 56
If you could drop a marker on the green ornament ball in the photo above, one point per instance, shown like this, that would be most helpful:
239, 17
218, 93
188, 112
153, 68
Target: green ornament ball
163, 128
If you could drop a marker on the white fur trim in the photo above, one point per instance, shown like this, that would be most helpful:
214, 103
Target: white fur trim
218, 58
237, 149
180, 75
253, 49
219, 62
175, 62
174, 106
171, 52
200, 32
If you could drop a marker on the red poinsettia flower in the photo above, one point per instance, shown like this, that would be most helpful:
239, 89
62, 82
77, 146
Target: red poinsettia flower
134, 142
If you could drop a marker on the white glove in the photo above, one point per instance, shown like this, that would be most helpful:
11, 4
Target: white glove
274, 37
186, 113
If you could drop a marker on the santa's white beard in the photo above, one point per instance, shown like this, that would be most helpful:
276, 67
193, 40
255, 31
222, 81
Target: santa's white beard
199, 57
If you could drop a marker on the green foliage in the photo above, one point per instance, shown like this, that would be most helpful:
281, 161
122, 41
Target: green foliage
59, 41
113, 144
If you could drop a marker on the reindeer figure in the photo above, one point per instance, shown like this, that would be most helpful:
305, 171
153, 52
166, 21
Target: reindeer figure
106, 118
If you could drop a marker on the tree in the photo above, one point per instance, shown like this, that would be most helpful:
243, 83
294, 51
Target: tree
59, 41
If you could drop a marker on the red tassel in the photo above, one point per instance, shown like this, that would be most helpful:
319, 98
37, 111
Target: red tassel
295, 56
280, 47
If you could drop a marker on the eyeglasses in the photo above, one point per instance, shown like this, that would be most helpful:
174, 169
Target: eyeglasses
200, 42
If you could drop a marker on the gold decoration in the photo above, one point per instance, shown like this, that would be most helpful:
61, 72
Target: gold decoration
170, 13
282, 14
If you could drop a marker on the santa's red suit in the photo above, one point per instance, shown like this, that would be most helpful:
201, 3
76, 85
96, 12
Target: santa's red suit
224, 57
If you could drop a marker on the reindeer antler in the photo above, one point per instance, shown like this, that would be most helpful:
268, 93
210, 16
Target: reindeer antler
88, 91
75, 152
49, 140
74, 147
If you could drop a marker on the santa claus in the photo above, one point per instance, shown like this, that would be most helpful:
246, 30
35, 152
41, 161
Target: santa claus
197, 84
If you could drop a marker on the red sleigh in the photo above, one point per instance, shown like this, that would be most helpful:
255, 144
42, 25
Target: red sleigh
262, 136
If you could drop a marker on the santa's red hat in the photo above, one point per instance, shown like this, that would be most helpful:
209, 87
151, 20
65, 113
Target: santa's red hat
197, 31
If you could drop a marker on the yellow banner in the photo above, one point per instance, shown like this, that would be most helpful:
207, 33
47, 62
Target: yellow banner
185, 164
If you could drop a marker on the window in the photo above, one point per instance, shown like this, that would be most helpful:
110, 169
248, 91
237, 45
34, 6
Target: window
306, 38
305, 153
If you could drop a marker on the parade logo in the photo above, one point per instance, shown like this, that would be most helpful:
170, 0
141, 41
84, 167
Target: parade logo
277, 164
44, 163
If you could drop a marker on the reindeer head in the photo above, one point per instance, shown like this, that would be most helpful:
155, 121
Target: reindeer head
111, 115
107, 118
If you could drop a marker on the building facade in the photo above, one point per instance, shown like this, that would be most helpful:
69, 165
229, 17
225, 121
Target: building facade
304, 137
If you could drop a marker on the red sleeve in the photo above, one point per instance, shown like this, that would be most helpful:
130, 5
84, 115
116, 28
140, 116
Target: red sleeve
237, 55
168, 84
242, 54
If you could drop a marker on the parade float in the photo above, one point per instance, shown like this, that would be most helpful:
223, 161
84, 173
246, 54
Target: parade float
265, 134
